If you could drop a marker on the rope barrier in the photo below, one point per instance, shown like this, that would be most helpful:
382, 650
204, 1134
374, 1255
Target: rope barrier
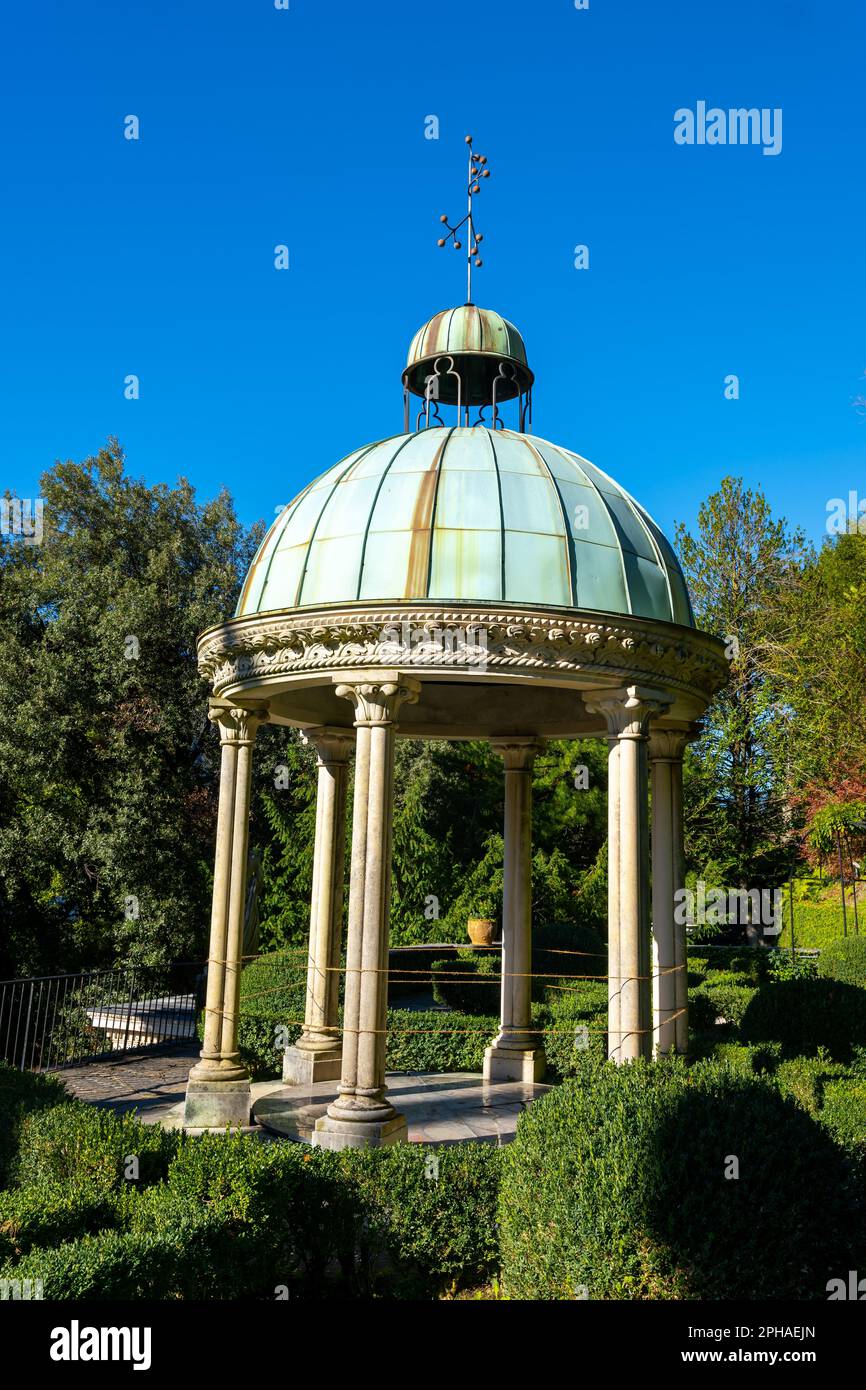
407, 975
340, 1028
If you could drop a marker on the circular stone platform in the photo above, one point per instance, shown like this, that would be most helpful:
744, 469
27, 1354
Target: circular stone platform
439, 1109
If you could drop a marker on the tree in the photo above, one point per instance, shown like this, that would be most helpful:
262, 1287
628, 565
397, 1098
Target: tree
107, 758
284, 828
816, 656
739, 566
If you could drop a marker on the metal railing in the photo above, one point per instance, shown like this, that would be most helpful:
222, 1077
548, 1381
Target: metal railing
62, 1020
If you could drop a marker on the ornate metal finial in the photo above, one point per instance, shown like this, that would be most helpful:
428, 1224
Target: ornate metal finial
477, 172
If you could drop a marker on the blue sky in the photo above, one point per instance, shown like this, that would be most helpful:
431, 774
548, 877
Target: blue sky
306, 127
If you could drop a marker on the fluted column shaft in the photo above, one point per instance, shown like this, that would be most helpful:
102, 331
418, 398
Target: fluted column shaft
679, 874
627, 713
514, 1054
316, 1056
669, 980
614, 972
218, 1091
361, 1116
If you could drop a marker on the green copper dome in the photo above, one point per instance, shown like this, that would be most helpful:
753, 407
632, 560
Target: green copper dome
470, 514
480, 339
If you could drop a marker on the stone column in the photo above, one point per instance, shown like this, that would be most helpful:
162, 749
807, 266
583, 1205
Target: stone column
515, 1054
613, 961
627, 713
317, 1055
679, 874
218, 1093
361, 1117
669, 983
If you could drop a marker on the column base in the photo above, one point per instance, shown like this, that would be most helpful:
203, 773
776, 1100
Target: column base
217, 1105
333, 1133
301, 1068
513, 1064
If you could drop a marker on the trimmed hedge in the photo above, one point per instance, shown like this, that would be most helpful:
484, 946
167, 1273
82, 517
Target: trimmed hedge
278, 1213
471, 983
725, 998
49, 1213
120, 1265
272, 1001
237, 1218
844, 1111
815, 924
750, 964
434, 1041
806, 1015
21, 1093
804, 1079
844, 960
75, 1143
747, 1060
432, 1211
616, 1185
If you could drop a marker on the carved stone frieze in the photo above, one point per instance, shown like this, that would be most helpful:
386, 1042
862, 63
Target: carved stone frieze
465, 638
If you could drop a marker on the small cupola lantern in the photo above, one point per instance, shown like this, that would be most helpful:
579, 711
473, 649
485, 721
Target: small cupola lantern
467, 357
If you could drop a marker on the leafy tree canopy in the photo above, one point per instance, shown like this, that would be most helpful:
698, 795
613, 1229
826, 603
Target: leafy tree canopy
107, 759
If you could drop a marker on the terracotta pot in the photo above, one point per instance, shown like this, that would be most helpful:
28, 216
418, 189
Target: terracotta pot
480, 930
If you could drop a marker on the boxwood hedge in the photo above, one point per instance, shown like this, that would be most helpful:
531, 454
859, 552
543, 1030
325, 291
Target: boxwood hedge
617, 1187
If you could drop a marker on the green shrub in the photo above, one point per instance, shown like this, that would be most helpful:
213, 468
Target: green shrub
470, 983
236, 1218
616, 1184
432, 1211
844, 960
784, 966
51, 1213
844, 1110
804, 1079
119, 1265
276, 984
574, 1023
272, 1001
455, 1042
805, 1015
748, 1059
437, 1042
278, 1212
815, 924
578, 999
75, 1143
729, 1000
22, 1093
564, 1051
702, 1009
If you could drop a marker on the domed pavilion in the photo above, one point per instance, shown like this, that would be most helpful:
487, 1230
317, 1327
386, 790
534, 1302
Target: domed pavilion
463, 579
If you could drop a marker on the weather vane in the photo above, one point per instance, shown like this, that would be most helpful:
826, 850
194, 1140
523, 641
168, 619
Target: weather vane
477, 172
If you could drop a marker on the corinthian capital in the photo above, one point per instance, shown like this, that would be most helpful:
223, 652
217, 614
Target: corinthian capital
331, 745
237, 724
378, 702
517, 753
629, 710
667, 745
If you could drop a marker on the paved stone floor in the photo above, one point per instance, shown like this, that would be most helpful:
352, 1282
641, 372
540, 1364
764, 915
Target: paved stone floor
151, 1084
439, 1109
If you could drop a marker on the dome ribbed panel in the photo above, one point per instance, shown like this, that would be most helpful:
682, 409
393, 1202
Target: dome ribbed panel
468, 515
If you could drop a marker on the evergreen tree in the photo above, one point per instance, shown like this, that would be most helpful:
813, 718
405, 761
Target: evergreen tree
107, 758
739, 565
